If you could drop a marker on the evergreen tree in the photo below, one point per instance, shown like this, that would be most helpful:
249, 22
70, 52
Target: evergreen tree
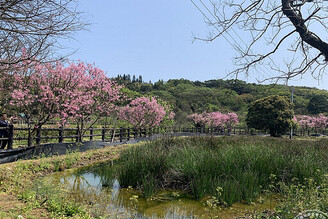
273, 113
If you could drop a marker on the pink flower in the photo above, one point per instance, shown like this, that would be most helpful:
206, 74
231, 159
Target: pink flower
144, 112
75, 91
215, 119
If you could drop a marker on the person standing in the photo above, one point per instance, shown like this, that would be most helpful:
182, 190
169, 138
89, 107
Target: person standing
4, 133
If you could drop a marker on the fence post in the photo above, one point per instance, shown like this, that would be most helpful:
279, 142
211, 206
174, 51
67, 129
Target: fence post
135, 135
91, 133
29, 138
38, 136
112, 138
103, 131
11, 137
77, 135
128, 137
121, 134
60, 134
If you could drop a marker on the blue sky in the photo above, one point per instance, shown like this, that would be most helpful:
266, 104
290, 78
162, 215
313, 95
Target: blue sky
154, 39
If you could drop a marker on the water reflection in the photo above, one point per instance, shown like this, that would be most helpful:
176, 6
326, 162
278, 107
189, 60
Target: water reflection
97, 187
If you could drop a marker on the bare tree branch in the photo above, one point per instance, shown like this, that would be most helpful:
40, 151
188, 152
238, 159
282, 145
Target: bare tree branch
261, 31
32, 29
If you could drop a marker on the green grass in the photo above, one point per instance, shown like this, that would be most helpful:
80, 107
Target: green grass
45, 194
297, 198
241, 167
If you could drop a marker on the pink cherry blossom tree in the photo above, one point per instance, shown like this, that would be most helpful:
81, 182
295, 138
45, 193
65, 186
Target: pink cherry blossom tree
304, 121
199, 120
145, 112
38, 91
320, 121
230, 120
96, 96
215, 119
79, 92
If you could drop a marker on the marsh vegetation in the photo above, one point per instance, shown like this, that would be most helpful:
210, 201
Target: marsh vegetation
240, 166
269, 177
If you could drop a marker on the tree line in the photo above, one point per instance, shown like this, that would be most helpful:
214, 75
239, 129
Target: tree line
188, 97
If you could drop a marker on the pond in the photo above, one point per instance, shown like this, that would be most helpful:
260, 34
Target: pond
97, 187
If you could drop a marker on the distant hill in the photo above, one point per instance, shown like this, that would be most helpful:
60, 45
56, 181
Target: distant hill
189, 97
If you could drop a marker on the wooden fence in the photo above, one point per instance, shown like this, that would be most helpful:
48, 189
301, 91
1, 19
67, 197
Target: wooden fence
21, 137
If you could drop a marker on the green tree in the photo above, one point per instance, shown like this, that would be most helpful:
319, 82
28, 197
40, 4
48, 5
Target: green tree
159, 85
240, 87
146, 87
318, 104
273, 113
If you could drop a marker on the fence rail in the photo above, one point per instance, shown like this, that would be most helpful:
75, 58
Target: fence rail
22, 136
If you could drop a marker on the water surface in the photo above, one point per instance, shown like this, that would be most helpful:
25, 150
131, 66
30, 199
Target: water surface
97, 187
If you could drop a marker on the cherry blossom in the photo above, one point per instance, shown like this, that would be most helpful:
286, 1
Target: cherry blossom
215, 119
145, 112
306, 122
76, 91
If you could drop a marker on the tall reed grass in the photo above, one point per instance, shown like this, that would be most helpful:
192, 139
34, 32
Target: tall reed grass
233, 169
